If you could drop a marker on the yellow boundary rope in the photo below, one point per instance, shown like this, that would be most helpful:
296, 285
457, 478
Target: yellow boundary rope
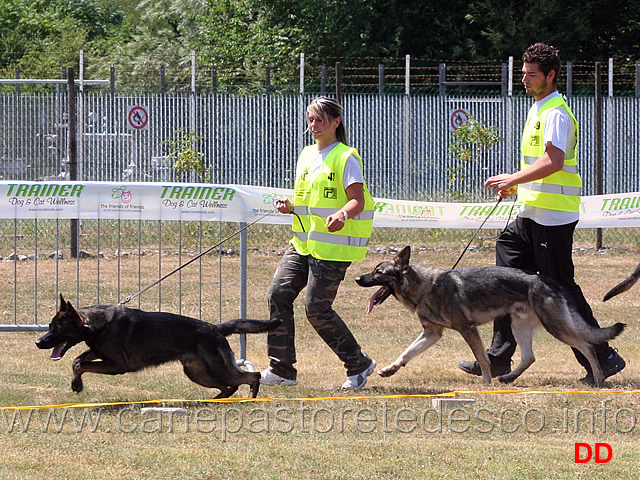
318, 399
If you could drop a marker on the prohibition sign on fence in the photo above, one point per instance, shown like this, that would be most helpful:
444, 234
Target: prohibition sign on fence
138, 118
457, 118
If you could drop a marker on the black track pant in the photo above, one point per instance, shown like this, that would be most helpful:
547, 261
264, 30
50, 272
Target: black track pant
536, 248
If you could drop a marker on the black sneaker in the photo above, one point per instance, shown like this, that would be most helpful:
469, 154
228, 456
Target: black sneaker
612, 365
473, 368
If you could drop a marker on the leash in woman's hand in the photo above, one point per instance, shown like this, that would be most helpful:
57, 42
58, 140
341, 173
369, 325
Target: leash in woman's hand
277, 203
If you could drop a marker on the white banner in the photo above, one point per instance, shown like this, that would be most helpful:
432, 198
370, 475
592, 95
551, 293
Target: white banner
243, 203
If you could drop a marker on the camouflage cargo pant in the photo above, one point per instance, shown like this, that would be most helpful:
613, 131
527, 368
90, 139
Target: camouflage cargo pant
322, 279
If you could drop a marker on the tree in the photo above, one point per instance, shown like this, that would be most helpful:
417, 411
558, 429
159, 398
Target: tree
185, 157
469, 143
367, 28
582, 30
165, 31
38, 35
246, 36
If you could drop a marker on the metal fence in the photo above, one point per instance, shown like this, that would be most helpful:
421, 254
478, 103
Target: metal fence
254, 139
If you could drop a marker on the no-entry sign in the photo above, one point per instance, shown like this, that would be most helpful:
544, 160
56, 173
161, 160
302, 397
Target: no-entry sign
457, 118
138, 117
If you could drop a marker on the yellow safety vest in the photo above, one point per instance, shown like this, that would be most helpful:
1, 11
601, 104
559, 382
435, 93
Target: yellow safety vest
315, 200
560, 190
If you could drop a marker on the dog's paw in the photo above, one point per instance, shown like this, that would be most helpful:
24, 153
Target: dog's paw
77, 385
388, 371
506, 378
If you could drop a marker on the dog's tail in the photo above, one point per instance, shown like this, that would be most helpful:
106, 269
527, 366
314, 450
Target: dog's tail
623, 286
600, 335
248, 326
564, 322
589, 333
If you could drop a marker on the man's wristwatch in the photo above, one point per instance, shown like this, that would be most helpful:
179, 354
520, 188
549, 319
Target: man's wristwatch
346, 216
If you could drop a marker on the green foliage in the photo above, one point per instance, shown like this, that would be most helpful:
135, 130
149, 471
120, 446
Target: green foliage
378, 28
155, 33
243, 37
186, 157
58, 51
581, 29
469, 142
43, 36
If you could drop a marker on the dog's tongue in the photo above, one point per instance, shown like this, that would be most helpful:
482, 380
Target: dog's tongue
57, 351
373, 301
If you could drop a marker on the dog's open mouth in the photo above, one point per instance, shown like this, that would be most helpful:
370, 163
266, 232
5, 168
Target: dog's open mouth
377, 298
58, 351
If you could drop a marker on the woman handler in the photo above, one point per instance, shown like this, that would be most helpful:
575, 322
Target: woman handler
332, 225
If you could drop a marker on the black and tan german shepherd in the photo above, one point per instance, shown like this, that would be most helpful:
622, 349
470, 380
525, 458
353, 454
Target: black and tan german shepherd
122, 340
465, 298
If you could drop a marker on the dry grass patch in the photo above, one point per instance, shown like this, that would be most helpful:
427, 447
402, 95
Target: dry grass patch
304, 439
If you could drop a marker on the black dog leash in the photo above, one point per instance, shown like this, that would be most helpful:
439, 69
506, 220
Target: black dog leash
476, 232
278, 203
131, 297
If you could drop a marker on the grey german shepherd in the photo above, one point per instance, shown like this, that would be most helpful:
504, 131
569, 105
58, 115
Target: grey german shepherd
122, 340
464, 298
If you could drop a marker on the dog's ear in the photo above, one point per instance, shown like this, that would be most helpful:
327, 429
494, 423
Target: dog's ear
402, 259
71, 313
68, 309
64, 305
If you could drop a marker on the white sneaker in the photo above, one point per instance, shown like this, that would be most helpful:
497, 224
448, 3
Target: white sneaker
267, 377
359, 380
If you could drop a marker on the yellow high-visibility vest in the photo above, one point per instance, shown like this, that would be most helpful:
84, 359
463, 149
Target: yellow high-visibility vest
316, 199
560, 190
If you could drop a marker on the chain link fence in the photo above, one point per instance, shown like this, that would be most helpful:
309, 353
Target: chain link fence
255, 140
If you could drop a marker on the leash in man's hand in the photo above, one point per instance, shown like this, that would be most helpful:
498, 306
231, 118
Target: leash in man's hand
476, 232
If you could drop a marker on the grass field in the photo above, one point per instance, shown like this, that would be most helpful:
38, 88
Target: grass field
388, 430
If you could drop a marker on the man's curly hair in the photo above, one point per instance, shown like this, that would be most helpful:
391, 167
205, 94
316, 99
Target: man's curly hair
544, 55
